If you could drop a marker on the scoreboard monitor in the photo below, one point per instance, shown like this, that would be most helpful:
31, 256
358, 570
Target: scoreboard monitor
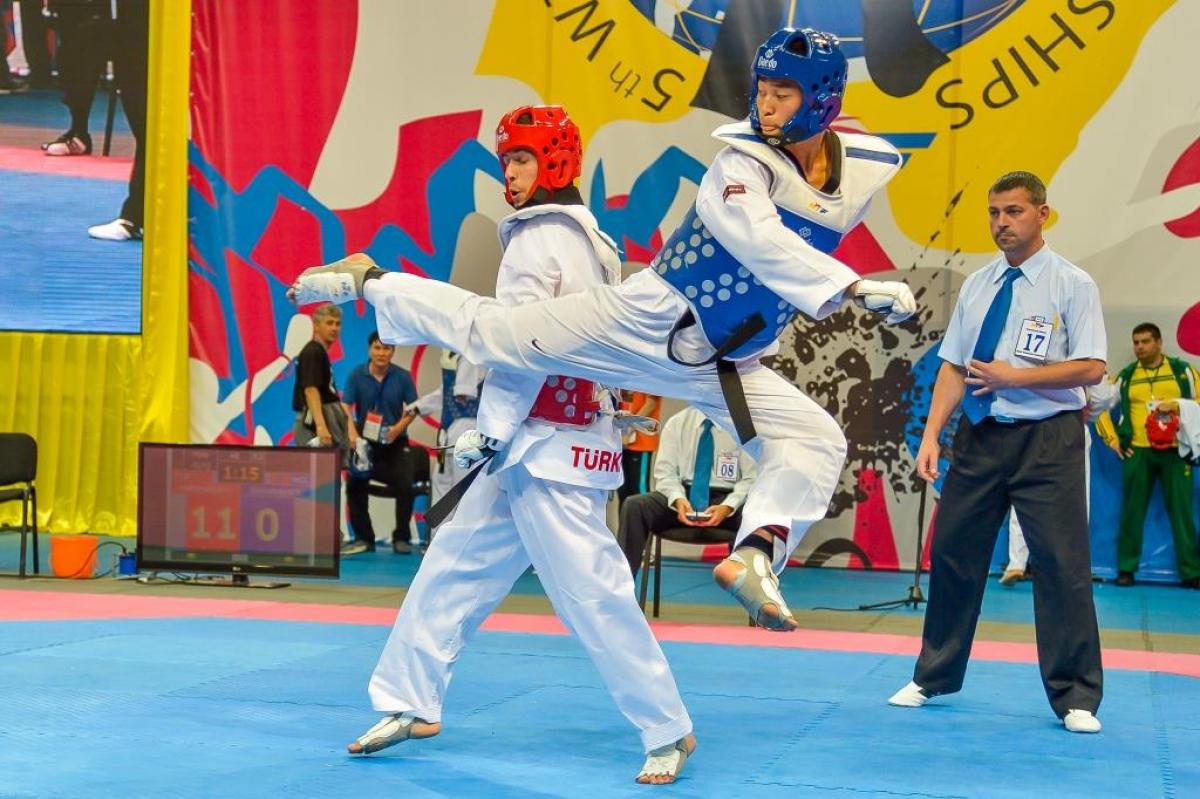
238, 509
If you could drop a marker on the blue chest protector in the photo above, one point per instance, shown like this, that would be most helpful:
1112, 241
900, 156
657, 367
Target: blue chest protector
454, 409
723, 294
737, 313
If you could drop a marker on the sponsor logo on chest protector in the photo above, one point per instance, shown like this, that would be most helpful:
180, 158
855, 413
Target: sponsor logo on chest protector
596, 460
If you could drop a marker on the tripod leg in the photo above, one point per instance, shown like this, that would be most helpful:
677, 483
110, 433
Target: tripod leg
915, 595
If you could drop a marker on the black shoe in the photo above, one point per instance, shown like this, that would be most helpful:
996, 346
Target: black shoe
1124, 579
401, 548
1191, 582
70, 143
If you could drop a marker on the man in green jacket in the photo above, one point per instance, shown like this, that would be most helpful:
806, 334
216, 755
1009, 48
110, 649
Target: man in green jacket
1144, 439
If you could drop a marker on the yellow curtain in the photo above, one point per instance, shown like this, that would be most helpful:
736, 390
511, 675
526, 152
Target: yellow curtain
163, 398
89, 399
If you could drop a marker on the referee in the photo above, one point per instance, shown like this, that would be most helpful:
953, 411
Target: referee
1026, 335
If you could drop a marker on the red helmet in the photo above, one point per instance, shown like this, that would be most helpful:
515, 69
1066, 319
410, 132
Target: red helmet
550, 135
1162, 430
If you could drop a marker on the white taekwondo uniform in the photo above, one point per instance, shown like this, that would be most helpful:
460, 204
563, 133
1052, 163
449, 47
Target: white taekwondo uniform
756, 241
457, 403
542, 502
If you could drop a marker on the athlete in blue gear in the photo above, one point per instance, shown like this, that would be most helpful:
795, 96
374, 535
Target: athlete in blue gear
751, 254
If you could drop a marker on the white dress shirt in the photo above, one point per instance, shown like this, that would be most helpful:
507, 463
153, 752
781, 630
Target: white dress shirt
676, 460
1050, 289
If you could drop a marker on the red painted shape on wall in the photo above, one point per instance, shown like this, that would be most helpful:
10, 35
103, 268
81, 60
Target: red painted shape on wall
206, 342
1188, 332
291, 242
861, 251
1185, 172
250, 60
421, 147
872, 525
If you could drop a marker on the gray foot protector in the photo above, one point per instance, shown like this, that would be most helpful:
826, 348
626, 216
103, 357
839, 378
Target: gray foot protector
666, 761
390, 731
756, 586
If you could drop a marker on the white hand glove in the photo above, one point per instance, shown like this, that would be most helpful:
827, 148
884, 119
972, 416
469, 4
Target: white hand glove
338, 282
886, 296
472, 447
627, 422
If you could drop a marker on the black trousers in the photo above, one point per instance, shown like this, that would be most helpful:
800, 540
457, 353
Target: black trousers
635, 465
88, 38
643, 514
393, 466
85, 35
1037, 468
131, 69
33, 37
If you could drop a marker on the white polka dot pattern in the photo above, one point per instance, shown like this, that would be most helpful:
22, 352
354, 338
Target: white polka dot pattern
696, 264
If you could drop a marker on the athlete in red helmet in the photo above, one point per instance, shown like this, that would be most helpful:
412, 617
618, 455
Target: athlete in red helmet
542, 500
751, 254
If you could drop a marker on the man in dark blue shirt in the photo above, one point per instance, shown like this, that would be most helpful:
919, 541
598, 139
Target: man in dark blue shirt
378, 391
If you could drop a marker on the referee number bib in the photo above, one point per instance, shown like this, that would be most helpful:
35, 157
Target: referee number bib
1033, 342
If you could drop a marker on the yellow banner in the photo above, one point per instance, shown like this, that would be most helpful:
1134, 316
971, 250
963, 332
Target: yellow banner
601, 59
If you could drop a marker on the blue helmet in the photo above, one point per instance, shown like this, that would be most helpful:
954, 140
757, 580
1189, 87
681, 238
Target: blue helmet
812, 60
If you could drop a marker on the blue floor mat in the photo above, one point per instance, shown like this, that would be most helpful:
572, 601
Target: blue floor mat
55, 277
204, 707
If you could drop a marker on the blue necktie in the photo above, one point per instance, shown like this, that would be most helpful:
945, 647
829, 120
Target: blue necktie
978, 408
702, 474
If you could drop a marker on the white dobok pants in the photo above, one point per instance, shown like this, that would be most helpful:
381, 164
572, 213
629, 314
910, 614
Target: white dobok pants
504, 522
618, 337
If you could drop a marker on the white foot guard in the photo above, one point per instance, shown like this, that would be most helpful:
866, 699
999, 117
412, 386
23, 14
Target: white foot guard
1081, 721
338, 282
391, 730
756, 587
911, 695
663, 764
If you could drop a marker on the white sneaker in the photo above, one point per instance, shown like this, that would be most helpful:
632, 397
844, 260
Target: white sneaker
116, 230
911, 695
1081, 721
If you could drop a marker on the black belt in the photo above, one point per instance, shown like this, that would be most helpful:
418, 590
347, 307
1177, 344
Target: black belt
446, 505
727, 374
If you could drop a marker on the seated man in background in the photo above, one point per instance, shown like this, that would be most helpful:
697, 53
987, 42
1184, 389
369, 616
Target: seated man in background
378, 391
701, 479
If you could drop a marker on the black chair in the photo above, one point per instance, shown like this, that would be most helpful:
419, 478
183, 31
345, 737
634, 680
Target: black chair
419, 457
700, 536
18, 469
376, 488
